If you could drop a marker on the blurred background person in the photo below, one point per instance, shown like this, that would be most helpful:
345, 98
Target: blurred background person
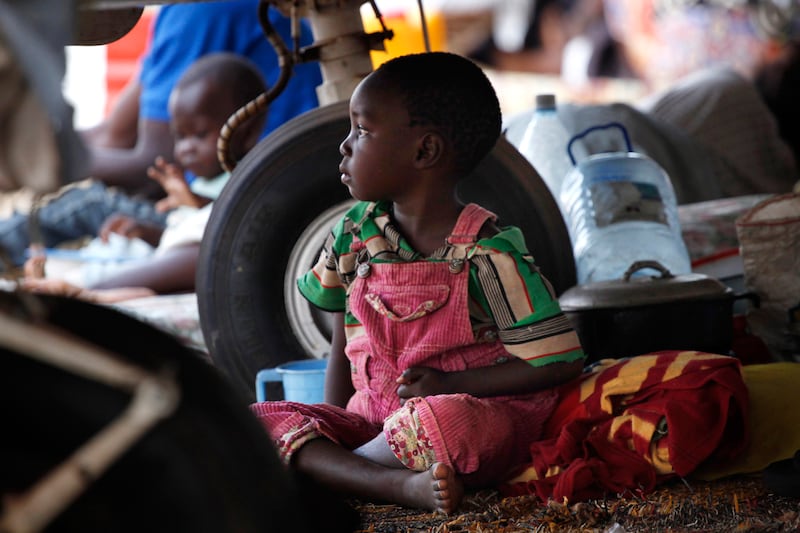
136, 131
567, 38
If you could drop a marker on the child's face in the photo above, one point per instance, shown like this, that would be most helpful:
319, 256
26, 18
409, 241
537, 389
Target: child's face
379, 151
196, 124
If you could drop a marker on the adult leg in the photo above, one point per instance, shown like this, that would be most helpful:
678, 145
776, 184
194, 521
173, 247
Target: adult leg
15, 238
362, 474
80, 211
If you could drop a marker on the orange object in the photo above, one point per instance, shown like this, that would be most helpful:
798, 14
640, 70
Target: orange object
406, 24
123, 56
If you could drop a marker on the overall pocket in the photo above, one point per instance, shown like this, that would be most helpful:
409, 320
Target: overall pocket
404, 304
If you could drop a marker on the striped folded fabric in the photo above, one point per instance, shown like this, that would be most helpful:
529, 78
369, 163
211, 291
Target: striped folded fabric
625, 425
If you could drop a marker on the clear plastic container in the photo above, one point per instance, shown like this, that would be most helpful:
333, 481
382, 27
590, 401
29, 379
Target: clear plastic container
544, 145
620, 209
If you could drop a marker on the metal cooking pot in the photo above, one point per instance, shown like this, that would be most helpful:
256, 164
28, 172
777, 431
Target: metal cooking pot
637, 315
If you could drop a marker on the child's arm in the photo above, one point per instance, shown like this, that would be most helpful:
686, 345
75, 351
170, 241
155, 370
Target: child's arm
543, 334
167, 273
338, 383
171, 272
125, 145
513, 377
59, 287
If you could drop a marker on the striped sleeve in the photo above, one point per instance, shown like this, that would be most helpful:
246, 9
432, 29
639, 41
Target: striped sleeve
525, 309
322, 286
325, 285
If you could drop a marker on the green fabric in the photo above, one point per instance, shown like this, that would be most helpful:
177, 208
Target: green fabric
209, 187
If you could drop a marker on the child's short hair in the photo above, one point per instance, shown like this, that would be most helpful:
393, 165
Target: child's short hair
451, 93
233, 77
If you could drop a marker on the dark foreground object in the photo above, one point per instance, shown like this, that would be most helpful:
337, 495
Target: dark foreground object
208, 467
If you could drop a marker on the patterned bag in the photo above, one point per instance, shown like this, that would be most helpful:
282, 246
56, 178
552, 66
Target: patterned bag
769, 239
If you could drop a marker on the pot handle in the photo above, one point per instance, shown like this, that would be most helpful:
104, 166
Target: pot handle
587, 131
754, 298
641, 265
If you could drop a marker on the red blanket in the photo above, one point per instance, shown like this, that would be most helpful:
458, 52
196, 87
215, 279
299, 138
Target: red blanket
625, 425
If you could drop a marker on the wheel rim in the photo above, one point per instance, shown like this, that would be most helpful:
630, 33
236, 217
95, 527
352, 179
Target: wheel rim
311, 327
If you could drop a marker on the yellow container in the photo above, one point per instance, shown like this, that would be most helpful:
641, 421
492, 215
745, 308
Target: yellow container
404, 19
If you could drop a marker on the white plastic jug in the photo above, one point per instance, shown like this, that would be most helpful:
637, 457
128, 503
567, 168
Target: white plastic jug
620, 208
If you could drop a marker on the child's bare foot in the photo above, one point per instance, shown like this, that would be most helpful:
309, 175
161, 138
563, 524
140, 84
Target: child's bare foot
34, 266
438, 489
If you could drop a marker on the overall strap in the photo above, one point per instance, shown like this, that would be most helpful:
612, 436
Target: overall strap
469, 224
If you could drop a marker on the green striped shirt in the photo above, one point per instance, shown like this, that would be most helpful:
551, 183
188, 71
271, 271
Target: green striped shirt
508, 295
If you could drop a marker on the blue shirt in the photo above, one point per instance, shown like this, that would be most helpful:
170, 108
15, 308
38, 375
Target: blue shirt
184, 32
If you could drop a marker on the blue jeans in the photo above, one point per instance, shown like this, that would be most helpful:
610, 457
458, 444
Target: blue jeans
75, 213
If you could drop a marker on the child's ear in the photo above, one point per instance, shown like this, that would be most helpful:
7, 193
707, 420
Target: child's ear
430, 149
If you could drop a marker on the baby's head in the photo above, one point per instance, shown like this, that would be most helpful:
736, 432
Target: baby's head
206, 95
450, 93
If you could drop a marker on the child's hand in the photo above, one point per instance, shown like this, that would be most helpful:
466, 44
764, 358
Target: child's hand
172, 180
420, 381
119, 224
130, 228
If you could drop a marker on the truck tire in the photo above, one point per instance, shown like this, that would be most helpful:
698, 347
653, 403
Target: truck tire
269, 223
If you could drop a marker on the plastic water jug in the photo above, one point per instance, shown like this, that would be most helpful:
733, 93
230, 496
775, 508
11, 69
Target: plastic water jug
621, 209
303, 381
544, 145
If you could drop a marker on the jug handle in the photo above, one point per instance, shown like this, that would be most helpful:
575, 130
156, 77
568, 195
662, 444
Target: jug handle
267, 375
587, 131
647, 263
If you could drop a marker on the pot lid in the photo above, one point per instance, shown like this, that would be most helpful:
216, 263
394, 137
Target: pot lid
632, 291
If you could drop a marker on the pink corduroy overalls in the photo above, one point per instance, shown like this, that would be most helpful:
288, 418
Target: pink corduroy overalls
416, 314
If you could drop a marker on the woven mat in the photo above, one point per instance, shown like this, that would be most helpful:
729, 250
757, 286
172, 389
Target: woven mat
739, 504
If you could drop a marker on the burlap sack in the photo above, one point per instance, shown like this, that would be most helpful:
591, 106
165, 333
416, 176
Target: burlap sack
28, 152
29, 162
769, 240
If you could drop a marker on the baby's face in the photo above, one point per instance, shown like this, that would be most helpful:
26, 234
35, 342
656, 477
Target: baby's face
195, 129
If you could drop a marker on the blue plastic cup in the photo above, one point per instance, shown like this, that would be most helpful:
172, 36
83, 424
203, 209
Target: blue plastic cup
303, 381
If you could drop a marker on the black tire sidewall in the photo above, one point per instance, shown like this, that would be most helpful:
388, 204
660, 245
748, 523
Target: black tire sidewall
273, 194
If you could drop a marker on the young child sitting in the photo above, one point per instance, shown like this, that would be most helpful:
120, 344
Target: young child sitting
208, 93
448, 340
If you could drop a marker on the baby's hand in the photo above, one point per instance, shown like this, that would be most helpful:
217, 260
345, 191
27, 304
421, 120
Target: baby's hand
120, 224
130, 228
420, 381
172, 180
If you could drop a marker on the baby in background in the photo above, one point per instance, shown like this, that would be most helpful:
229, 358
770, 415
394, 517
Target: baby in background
207, 94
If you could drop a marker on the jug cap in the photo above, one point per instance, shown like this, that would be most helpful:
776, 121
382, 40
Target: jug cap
545, 101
